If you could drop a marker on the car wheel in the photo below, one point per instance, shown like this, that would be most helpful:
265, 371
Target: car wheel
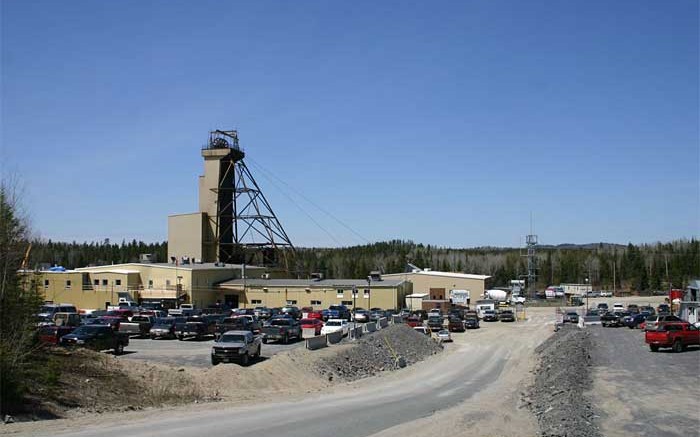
286, 339
246, 360
654, 347
119, 349
264, 340
214, 362
677, 346
180, 337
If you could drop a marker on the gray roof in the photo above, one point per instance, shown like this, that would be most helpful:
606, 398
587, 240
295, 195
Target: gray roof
192, 266
311, 283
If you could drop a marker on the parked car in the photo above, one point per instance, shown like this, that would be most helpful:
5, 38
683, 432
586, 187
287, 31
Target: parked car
281, 329
96, 337
617, 306
292, 311
374, 316
506, 316
316, 315
648, 309
162, 328
335, 325
51, 334
663, 308
139, 326
471, 321
570, 317
676, 335
314, 324
455, 324
237, 323
613, 319
339, 312
652, 323
489, 316
414, 321
236, 346
361, 315
444, 335
47, 311
634, 320
603, 307
435, 322
633, 308
190, 329
606, 293
422, 330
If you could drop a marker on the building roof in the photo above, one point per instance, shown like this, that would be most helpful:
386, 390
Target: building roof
420, 295
197, 266
311, 283
438, 273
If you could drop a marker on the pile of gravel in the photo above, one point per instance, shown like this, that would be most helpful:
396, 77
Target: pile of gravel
562, 377
388, 349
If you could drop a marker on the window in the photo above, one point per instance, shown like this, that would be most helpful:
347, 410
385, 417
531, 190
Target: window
46, 283
167, 282
68, 283
96, 282
291, 302
105, 282
366, 293
347, 303
117, 282
150, 283
339, 293
256, 302
315, 302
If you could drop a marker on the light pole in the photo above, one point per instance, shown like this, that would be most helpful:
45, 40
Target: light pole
354, 302
369, 292
587, 293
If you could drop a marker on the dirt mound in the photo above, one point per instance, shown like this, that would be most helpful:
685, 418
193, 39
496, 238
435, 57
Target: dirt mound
388, 349
558, 396
82, 380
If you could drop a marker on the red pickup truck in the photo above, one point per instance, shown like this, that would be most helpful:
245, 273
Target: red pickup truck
676, 335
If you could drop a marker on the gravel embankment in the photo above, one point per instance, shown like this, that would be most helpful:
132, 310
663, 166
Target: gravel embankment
563, 376
388, 349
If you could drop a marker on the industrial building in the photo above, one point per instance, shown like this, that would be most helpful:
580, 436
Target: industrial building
318, 293
168, 284
435, 285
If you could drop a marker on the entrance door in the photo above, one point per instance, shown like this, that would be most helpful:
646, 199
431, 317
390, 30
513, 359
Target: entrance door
437, 293
231, 300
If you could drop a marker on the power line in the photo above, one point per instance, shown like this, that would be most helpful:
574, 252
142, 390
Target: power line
297, 205
310, 201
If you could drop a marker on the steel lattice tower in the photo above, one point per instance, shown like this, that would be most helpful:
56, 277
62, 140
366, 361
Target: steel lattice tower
531, 241
244, 224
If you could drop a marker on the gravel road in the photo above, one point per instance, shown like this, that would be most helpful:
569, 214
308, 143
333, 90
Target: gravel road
642, 393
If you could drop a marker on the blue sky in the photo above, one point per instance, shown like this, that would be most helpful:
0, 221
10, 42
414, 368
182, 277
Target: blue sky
446, 123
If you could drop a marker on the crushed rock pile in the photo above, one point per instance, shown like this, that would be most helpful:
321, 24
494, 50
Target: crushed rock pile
388, 349
558, 395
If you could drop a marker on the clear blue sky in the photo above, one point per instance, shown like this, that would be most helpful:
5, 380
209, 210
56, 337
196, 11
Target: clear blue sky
442, 122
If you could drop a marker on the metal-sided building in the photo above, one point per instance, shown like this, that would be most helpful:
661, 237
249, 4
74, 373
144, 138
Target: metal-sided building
169, 284
318, 293
437, 285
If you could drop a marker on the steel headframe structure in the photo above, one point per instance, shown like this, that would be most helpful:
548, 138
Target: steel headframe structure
245, 221
531, 241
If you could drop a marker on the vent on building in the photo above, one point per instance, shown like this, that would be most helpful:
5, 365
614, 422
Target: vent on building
147, 258
265, 276
317, 276
375, 275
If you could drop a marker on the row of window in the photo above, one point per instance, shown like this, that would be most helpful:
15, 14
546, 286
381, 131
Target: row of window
294, 302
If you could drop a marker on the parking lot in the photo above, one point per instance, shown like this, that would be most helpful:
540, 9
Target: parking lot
194, 353
640, 392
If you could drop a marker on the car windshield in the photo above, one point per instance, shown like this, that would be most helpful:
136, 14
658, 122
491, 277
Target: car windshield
333, 323
308, 321
47, 309
87, 329
280, 322
232, 338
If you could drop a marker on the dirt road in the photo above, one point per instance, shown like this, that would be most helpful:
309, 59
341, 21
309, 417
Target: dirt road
455, 392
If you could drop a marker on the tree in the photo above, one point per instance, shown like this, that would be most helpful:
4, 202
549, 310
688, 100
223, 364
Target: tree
17, 305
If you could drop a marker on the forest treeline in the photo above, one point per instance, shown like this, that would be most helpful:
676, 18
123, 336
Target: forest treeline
634, 267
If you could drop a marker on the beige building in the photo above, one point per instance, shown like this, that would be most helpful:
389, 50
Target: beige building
319, 294
170, 284
436, 285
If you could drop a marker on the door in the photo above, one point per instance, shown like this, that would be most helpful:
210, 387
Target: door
231, 300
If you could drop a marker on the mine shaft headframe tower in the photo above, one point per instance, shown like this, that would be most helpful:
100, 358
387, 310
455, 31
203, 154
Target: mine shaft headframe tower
242, 220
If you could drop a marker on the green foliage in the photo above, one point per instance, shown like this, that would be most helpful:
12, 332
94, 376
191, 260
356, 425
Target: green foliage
17, 305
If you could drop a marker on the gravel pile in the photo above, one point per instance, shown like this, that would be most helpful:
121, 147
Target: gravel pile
388, 349
562, 377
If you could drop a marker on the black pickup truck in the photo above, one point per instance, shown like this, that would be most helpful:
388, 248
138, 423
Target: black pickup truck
281, 329
235, 324
612, 319
97, 337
